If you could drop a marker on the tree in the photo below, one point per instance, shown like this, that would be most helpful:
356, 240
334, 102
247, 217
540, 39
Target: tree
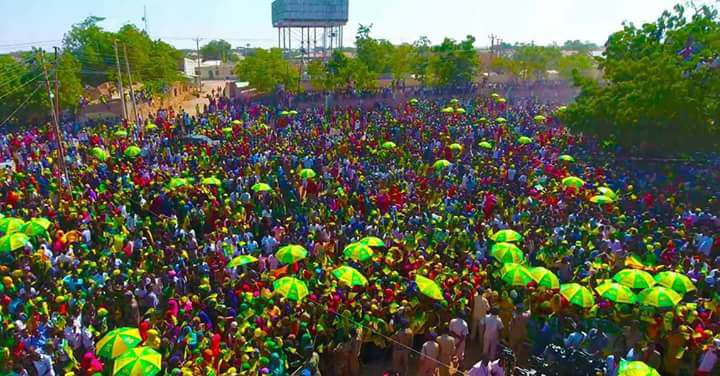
580, 47
341, 72
535, 61
93, 47
71, 87
579, 63
318, 75
265, 70
218, 49
375, 53
662, 85
423, 50
452, 63
22, 93
403, 61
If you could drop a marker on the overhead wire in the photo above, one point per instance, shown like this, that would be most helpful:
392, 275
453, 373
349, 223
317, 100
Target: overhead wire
20, 87
20, 106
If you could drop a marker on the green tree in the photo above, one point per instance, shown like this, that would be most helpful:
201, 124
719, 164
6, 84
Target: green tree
265, 70
423, 51
581, 47
535, 61
218, 49
22, 92
580, 63
453, 63
93, 47
317, 73
374, 53
71, 87
403, 61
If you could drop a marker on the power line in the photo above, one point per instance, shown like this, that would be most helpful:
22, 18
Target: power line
21, 105
21, 86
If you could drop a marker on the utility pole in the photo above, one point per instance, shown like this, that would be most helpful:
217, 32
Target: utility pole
145, 19
57, 84
198, 61
492, 42
56, 128
132, 91
120, 85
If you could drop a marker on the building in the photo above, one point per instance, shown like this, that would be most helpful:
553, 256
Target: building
318, 23
215, 70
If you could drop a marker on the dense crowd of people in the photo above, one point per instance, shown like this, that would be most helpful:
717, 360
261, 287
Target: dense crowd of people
143, 231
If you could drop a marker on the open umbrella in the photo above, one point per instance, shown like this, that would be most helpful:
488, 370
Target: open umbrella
601, 200
291, 253
227, 130
501, 120
524, 140
140, 361
428, 287
515, 275
608, 192
350, 276
121, 133
11, 242
241, 260
261, 187
8, 225
483, 120
358, 251
507, 253
676, 281
502, 100
545, 277
635, 368
413, 101
441, 163
447, 110
292, 112
42, 221
485, 145
211, 181
616, 292
577, 294
460, 110
237, 122
388, 145
566, 158
660, 297
177, 183
151, 127
539, 119
291, 288
573, 181
284, 113
117, 341
455, 147
34, 230
99, 153
307, 173
132, 151
507, 236
372, 241
634, 278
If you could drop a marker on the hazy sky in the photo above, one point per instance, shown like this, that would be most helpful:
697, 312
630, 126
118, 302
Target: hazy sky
248, 21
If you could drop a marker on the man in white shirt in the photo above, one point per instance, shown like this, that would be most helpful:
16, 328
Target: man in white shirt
491, 337
459, 330
480, 309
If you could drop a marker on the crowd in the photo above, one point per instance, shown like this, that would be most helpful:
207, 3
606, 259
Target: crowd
419, 232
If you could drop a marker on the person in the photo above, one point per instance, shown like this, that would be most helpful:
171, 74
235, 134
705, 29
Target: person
429, 357
459, 329
491, 337
401, 345
519, 331
446, 353
353, 358
709, 359
480, 309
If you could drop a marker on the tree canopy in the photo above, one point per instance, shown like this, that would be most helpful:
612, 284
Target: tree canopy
218, 49
266, 70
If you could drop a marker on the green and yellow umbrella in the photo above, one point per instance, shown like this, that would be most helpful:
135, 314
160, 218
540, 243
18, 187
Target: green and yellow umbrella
441, 164
447, 110
577, 294
358, 251
11, 242
117, 341
132, 151
9, 225
601, 200
676, 281
177, 183
388, 145
566, 158
261, 187
284, 113
507, 253
501, 120
140, 361
616, 292
428, 287
34, 230
227, 130
483, 120
634, 278
42, 221
507, 236
241, 260
515, 275
291, 288
636, 368
211, 181
524, 140
485, 145
545, 277
120, 133
573, 181
350, 276
608, 192
236, 122
291, 253
539, 119
372, 241
292, 112
460, 110
99, 153
455, 147
307, 173
413, 101
659, 296
151, 127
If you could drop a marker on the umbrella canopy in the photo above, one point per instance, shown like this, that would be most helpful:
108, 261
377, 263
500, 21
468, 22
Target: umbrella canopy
261, 187
636, 368
177, 183
428, 287
358, 251
307, 173
151, 127
577, 294
573, 181
413, 101
211, 181
42, 221
515, 275
284, 113
447, 110
292, 112
291, 288
11, 242
34, 230
121, 133
455, 147
236, 122
507, 253
566, 158
485, 145
117, 341
227, 130
140, 361
501, 120
634, 278
607, 191
676, 281
350, 276
545, 277
601, 199
524, 140
616, 292
460, 110
507, 236
99, 153
132, 151
483, 120
291, 253
660, 297
539, 119
9, 225
372, 241
441, 163
388, 145
241, 260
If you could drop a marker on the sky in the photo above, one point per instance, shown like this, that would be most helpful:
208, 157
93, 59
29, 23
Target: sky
43, 22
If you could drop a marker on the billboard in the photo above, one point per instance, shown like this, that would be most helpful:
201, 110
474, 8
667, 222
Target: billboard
310, 13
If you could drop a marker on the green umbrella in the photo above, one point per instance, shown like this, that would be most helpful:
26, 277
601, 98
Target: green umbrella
372, 241
455, 147
284, 113
485, 145
447, 110
676, 281
524, 140
350, 276
501, 120
140, 361
8, 225
607, 192
635, 368
11, 242
388, 145
307, 173
506, 236
515, 275
577, 294
132, 151
562, 108
507, 253
291, 253
616, 292
236, 122
211, 181
460, 110
573, 181
241, 260
99, 153
117, 342
358, 251
413, 101
261, 187
545, 277
151, 127
121, 133
441, 164
483, 120
227, 130
34, 230
659, 296
428, 287
602, 200
539, 119
42, 221
566, 158
177, 183
291, 288
292, 112
634, 279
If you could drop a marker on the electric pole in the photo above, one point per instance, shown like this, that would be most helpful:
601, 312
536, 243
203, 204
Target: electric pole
145, 19
56, 128
492, 42
120, 85
132, 91
198, 62
57, 84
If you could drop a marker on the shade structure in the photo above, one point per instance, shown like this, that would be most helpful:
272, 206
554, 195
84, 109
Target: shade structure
566, 158
483, 120
117, 341
388, 145
9, 225
515, 275
545, 277
428, 287
634, 278
524, 140
99, 153
455, 147
608, 192
372, 241
307, 173
507, 253
659, 297
573, 181
358, 251
291, 288
601, 200
485, 145
211, 181
507, 236
676, 281
577, 294
12, 242
441, 163
291, 253
132, 151
34, 230
241, 260
42, 221
140, 361
413, 101
261, 187
636, 368
292, 112
350, 276
616, 292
